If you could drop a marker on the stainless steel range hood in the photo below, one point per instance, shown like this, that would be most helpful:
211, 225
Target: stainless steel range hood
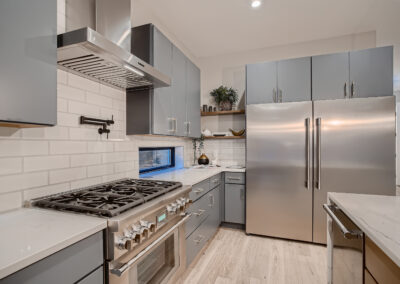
104, 55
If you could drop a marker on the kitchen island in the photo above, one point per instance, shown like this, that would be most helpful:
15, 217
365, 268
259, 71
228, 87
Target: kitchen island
378, 217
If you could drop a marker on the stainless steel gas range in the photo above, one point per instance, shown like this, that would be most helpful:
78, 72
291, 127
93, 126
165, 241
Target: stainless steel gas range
145, 237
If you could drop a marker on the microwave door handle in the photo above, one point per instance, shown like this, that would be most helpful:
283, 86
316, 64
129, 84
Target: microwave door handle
348, 234
133, 261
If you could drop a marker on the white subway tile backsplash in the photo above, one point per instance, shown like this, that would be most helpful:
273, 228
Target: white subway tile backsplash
114, 157
112, 93
10, 201
45, 190
100, 170
59, 176
83, 109
124, 146
124, 167
85, 160
107, 178
22, 181
10, 166
68, 119
87, 133
85, 182
67, 147
62, 106
83, 83
98, 100
69, 93
42, 163
61, 77
9, 148
99, 147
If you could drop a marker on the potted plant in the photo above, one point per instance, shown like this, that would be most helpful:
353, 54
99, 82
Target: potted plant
224, 97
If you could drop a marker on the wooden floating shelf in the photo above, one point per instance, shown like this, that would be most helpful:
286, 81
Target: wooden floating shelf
224, 137
222, 112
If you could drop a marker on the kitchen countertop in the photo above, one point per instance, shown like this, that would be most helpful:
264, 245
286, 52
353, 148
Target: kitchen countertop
191, 176
31, 234
378, 216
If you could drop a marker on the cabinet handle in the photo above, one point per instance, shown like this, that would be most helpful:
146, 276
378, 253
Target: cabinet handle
199, 239
215, 180
175, 124
200, 190
199, 213
345, 90
211, 200
274, 98
170, 124
241, 194
188, 127
280, 95
353, 91
233, 178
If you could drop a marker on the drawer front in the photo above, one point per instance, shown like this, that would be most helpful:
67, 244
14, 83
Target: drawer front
196, 242
66, 266
199, 189
236, 178
215, 181
96, 277
200, 210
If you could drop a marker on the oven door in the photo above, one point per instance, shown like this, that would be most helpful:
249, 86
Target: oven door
347, 248
157, 263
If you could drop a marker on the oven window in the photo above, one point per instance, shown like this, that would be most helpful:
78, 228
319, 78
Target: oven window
156, 266
153, 159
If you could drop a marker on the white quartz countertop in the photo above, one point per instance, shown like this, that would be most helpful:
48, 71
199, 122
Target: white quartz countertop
378, 216
191, 176
31, 234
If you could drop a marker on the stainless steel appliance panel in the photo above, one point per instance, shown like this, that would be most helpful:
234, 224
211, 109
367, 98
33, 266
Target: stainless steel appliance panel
347, 248
354, 151
278, 181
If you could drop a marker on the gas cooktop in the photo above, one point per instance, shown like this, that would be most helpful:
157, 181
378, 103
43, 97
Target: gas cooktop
108, 199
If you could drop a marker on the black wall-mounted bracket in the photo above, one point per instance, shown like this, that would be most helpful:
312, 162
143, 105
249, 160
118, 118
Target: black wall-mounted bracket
100, 122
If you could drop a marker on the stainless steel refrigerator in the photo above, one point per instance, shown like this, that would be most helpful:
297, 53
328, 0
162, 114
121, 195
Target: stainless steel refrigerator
299, 151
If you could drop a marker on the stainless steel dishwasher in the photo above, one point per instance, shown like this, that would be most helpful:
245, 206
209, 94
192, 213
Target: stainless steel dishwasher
347, 247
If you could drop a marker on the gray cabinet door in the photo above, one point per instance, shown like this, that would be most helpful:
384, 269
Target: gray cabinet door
162, 97
234, 203
178, 91
28, 61
371, 72
193, 127
330, 76
294, 80
261, 83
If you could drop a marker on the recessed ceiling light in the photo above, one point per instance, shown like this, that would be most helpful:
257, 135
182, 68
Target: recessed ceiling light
255, 3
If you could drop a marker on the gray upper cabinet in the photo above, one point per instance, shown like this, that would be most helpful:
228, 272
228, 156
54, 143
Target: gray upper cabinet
294, 80
371, 72
178, 87
173, 110
162, 97
330, 76
193, 127
261, 83
28, 62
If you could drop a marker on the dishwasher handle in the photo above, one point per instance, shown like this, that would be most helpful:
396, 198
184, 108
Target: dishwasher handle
348, 234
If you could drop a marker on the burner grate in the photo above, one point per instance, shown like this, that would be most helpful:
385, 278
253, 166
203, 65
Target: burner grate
108, 199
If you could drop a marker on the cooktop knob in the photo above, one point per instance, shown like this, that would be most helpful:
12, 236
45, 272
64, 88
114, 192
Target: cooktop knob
149, 225
124, 243
145, 232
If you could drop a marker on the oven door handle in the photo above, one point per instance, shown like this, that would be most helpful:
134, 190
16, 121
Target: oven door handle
348, 234
130, 263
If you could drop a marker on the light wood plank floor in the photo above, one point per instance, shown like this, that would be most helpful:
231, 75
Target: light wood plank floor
234, 257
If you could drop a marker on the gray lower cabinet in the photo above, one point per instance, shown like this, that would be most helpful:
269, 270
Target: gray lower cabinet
28, 63
371, 72
173, 110
204, 222
235, 203
330, 76
82, 261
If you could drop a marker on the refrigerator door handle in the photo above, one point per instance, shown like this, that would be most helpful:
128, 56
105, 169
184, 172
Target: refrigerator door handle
274, 95
318, 182
280, 95
308, 153
352, 93
345, 89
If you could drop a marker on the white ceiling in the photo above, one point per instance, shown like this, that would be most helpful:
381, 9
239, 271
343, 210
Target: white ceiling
214, 27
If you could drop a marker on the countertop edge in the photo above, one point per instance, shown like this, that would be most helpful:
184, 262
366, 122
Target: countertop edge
365, 228
23, 263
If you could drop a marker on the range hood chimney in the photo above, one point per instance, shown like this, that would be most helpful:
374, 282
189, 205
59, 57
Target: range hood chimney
97, 45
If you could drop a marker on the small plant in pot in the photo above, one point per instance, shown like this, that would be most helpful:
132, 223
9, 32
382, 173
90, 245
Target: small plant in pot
224, 97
